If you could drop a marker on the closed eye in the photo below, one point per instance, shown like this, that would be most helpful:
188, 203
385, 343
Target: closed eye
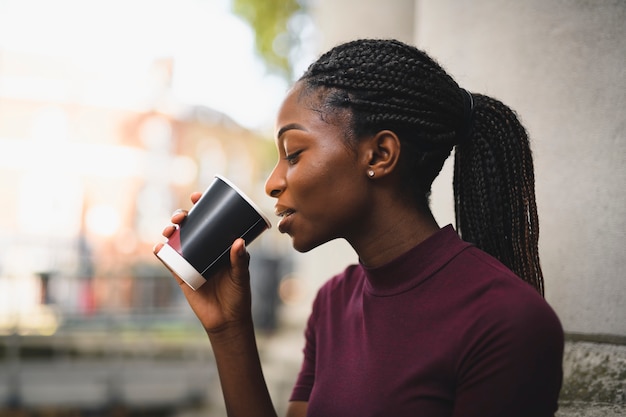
292, 158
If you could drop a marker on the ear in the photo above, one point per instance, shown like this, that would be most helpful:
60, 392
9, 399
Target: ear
381, 153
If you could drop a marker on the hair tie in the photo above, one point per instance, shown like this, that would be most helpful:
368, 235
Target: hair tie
468, 105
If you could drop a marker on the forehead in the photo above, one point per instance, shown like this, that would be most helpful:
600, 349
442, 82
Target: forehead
292, 101
308, 106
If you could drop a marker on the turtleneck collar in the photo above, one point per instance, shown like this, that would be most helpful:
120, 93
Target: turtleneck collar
415, 266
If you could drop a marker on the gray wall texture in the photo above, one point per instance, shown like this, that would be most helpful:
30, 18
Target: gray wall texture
561, 65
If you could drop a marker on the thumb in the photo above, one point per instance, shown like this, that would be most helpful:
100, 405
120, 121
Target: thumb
239, 261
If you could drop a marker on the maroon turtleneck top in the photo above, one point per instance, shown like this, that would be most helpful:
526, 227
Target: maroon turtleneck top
443, 330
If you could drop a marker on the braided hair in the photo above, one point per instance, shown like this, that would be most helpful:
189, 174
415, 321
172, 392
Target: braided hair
386, 84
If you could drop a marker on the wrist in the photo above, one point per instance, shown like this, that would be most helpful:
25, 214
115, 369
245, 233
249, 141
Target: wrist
231, 331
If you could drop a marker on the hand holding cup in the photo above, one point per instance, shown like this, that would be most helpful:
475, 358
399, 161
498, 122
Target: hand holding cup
206, 252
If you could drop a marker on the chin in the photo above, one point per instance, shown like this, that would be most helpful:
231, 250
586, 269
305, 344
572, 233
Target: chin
303, 248
306, 246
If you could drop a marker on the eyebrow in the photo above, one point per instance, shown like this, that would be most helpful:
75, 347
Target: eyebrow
290, 126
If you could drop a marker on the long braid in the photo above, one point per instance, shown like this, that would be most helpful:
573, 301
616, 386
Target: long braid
386, 84
495, 191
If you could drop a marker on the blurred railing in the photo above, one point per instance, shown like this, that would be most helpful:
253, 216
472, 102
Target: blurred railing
158, 361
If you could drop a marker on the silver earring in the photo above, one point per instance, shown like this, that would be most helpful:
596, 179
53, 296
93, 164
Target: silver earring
370, 173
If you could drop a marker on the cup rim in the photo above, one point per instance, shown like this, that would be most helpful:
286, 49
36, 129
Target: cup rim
245, 197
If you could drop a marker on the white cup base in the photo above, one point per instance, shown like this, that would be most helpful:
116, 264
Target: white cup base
180, 267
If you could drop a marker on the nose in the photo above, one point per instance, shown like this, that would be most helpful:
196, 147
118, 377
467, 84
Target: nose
275, 183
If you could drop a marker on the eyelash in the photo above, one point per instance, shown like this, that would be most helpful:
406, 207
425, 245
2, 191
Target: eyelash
292, 157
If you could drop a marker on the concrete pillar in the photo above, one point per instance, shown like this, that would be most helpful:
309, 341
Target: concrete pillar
339, 21
560, 65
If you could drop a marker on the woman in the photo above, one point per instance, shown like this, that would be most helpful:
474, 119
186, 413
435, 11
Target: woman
426, 324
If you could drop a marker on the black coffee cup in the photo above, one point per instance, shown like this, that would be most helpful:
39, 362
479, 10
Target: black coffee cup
202, 243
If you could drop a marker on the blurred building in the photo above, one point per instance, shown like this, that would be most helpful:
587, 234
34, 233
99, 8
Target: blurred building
91, 168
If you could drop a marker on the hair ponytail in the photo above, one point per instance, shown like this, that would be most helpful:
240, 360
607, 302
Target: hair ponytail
494, 190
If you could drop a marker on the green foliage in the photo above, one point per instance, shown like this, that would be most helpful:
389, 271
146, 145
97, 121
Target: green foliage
273, 39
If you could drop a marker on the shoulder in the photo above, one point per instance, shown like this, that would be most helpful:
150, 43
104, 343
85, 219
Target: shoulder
344, 281
339, 288
504, 310
486, 302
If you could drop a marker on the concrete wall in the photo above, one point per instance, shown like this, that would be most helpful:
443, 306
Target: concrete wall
560, 65
344, 20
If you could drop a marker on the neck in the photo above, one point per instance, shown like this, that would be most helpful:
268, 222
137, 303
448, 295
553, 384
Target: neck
392, 230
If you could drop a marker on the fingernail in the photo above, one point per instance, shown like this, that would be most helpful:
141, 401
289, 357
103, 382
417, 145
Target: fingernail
242, 249
177, 211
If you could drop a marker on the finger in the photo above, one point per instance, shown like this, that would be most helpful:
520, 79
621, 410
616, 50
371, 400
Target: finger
169, 230
178, 216
239, 260
157, 248
195, 197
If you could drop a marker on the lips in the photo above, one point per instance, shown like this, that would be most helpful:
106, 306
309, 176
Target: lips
285, 215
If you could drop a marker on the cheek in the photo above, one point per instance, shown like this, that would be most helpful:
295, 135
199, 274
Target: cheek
334, 197
325, 181
312, 195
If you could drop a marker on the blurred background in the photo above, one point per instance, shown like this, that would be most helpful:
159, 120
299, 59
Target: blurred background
112, 113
